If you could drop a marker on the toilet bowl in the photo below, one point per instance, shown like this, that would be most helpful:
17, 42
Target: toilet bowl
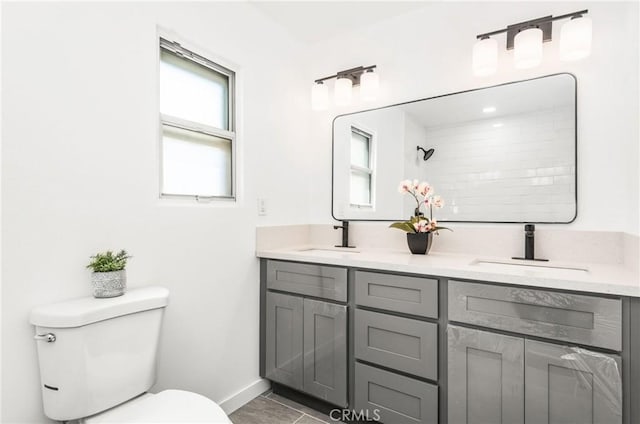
97, 362
169, 406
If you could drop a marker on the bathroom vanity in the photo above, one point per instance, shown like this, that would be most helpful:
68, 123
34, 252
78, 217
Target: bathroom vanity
423, 340
455, 338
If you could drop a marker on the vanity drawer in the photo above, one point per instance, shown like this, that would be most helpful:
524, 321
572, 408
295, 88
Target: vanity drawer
399, 293
399, 343
327, 282
574, 318
393, 398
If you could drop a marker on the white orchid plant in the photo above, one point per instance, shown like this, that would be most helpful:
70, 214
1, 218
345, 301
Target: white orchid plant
424, 195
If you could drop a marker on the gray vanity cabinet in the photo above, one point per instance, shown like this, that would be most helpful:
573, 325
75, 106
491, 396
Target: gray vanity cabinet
571, 385
284, 339
485, 377
419, 349
492, 377
305, 340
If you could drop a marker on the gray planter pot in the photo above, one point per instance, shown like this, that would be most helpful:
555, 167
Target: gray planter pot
109, 284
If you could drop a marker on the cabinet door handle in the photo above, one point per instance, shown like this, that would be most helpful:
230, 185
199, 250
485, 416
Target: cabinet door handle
49, 337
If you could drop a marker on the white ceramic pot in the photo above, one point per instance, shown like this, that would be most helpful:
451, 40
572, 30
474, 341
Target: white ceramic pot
109, 284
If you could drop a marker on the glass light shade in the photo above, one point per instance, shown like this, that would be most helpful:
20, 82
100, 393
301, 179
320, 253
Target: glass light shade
528, 48
319, 97
485, 57
369, 84
342, 95
575, 39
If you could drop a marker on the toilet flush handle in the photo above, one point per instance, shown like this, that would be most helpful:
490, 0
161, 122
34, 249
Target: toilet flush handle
49, 337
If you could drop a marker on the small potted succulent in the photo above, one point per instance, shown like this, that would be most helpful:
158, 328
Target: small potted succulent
109, 278
419, 228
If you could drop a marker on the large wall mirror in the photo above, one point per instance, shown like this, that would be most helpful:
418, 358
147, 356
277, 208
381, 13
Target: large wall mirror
500, 154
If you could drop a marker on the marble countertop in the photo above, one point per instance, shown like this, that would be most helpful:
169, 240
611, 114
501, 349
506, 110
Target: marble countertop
583, 277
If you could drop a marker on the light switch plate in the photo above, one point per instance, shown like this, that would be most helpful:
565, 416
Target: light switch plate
262, 206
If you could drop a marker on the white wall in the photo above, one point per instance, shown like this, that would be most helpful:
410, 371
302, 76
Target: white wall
428, 52
80, 174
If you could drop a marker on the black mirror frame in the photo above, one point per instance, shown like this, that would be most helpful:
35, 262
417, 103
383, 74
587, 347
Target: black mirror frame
575, 134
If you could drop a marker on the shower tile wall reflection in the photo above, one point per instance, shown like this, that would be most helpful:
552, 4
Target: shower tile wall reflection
514, 166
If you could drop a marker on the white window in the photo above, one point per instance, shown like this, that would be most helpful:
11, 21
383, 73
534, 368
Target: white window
197, 119
361, 168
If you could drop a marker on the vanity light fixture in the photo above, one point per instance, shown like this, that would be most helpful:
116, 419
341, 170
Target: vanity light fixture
364, 76
526, 39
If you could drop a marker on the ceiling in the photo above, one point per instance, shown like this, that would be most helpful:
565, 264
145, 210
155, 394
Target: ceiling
313, 21
507, 99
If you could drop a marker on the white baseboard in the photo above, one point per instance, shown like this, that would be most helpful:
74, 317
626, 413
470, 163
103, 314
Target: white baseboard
245, 395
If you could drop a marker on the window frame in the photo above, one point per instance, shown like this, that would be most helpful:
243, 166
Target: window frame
370, 136
177, 48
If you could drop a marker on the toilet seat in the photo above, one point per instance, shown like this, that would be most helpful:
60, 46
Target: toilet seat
169, 406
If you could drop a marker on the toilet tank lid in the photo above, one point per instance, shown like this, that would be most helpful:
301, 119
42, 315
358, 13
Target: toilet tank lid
86, 310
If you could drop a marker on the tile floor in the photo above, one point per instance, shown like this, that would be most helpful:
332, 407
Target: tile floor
270, 408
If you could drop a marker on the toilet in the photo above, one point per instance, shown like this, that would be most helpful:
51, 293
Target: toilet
98, 359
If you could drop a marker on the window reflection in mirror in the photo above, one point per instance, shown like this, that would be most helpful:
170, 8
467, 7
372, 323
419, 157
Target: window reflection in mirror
361, 168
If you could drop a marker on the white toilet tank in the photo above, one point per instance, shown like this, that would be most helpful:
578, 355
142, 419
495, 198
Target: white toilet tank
104, 351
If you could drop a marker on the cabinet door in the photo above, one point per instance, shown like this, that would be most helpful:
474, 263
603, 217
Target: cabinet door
325, 351
486, 377
571, 385
284, 339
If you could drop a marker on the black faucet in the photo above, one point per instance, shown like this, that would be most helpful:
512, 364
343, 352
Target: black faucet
345, 234
529, 244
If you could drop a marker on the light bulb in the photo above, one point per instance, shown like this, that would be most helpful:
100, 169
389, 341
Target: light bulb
319, 96
369, 84
575, 39
528, 48
342, 95
485, 57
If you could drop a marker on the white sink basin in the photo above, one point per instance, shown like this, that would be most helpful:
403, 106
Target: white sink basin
559, 270
331, 252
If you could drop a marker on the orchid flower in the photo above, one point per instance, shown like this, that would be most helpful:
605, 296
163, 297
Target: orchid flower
405, 186
438, 202
424, 189
423, 193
